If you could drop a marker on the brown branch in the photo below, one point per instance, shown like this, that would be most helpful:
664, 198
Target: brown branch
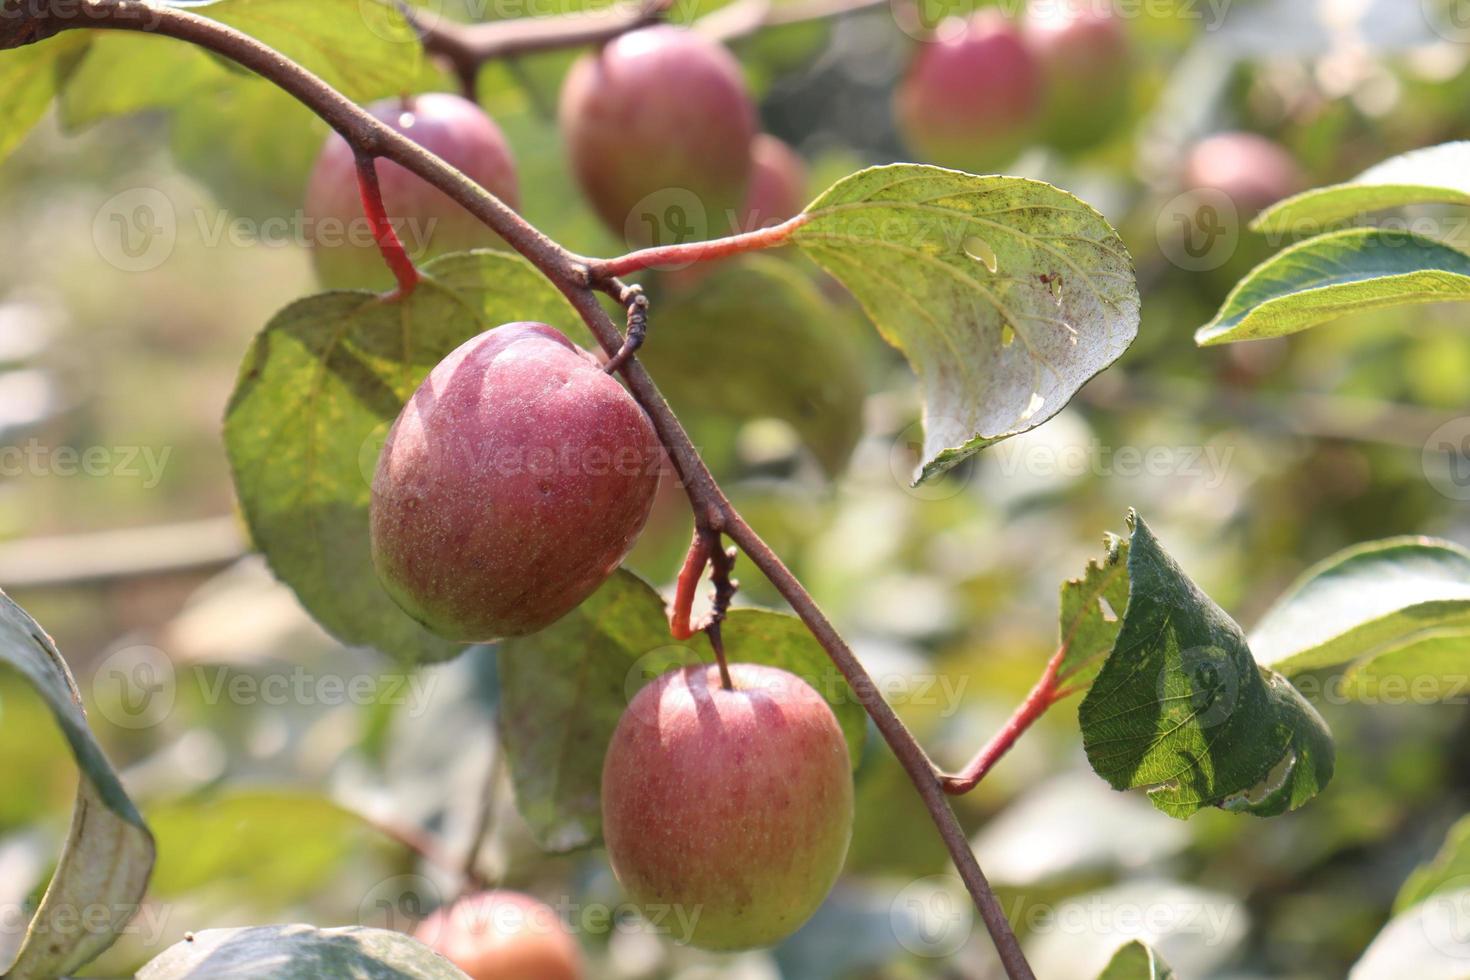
569, 273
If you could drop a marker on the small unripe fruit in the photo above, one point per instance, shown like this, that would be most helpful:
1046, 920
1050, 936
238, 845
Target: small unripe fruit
972, 97
777, 184
658, 125
733, 808
1085, 57
503, 935
1250, 169
427, 220
513, 483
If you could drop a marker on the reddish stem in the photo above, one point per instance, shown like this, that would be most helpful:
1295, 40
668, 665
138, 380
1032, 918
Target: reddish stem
1046, 693
694, 564
377, 214
682, 255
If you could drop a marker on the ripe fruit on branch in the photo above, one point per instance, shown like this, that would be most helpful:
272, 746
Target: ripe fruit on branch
503, 935
427, 220
732, 806
658, 125
513, 483
972, 97
1252, 170
777, 189
1085, 57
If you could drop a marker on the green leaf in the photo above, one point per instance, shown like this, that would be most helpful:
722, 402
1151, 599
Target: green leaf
232, 843
317, 392
1428, 942
1136, 961
29, 77
734, 326
108, 853
299, 952
564, 690
1092, 614
1181, 707
1398, 608
1448, 872
1332, 275
1006, 295
360, 56
1436, 175
127, 72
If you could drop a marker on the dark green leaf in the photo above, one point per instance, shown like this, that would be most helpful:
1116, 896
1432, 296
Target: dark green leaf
564, 689
745, 318
318, 390
1332, 275
109, 851
1181, 707
1006, 295
299, 952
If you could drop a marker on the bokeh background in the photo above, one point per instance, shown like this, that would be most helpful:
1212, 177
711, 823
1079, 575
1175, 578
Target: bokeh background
288, 778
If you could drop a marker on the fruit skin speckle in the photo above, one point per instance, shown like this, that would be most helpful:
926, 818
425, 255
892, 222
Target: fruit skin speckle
513, 483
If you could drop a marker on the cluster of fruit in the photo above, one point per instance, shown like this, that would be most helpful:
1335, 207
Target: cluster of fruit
658, 119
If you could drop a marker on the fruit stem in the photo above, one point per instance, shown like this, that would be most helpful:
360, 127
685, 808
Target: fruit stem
602, 270
717, 643
1046, 693
388, 242
689, 576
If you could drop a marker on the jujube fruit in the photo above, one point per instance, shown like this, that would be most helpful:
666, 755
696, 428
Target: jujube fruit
1253, 171
972, 97
503, 935
734, 808
427, 220
513, 483
658, 125
1086, 60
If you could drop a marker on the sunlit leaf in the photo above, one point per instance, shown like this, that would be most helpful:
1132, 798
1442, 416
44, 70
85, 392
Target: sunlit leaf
1092, 614
109, 851
29, 77
1006, 295
1182, 710
565, 688
1397, 608
1427, 942
1333, 275
1435, 175
1136, 961
1449, 871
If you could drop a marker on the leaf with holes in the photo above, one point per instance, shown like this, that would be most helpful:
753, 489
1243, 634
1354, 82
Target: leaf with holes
1092, 614
1333, 275
1005, 294
1435, 175
564, 689
109, 851
299, 952
1397, 608
318, 390
1182, 709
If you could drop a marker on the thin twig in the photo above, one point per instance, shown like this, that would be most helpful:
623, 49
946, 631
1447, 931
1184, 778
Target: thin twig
1045, 694
569, 273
